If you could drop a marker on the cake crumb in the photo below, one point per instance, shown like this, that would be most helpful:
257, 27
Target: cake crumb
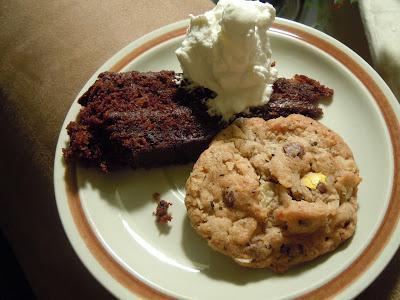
161, 213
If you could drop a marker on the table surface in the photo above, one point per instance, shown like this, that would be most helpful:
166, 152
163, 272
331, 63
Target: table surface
49, 49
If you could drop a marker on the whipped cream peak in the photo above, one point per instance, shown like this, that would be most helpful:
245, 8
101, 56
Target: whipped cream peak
227, 50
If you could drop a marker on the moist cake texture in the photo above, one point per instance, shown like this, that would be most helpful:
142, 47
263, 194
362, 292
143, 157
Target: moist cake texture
274, 193
148, 119
298, 95
139, 120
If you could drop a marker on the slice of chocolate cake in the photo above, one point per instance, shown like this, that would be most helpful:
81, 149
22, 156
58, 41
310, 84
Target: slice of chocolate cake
137, 119
148, 119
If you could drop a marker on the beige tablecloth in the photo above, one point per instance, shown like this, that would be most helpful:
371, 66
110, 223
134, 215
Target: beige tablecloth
48, 50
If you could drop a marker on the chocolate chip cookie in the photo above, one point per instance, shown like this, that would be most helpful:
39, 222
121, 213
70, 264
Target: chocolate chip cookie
274, 193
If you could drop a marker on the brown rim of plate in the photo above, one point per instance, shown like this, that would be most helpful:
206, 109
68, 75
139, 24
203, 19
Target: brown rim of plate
333, 286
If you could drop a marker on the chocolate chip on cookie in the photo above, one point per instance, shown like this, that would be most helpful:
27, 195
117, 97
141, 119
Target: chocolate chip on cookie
293, 150
229, 198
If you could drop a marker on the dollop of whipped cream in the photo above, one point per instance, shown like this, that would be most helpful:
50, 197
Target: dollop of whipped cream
227, 50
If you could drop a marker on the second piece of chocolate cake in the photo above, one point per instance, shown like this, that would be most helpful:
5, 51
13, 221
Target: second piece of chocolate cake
148, 120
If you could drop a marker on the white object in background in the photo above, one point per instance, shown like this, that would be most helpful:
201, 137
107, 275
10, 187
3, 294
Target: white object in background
382, 26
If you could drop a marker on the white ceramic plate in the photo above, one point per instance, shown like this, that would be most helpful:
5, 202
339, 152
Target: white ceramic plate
108, 218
